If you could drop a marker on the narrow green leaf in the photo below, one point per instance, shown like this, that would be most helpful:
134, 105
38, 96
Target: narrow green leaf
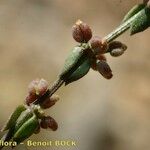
133, 11
71, 60
80, 72
26, 115
26, 130
141, 22
14, 116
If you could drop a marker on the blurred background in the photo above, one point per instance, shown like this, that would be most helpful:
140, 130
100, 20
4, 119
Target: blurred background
35, 38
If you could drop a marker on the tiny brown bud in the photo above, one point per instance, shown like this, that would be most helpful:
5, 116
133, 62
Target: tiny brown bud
38, 87
30, 98
81, 32
42, 86
104, 69
32, 85
44, 122
116, 52
48, 122
98, 45
49, 102
116, 48
53, 124
94, 61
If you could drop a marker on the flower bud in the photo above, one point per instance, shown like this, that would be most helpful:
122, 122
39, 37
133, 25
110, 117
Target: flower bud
94, 61
49, 102
38, 87
32, 86
98, 45
48, 122
44, 123
115, 45
116, 52
53, 124
30, 98
104, 69
116, 48
81, 32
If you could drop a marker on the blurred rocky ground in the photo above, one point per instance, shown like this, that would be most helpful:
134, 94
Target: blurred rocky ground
35, 38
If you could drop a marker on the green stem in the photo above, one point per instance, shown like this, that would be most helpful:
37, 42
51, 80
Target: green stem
121, 29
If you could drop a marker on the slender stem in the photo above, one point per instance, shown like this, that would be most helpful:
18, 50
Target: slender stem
114, 34
56, 86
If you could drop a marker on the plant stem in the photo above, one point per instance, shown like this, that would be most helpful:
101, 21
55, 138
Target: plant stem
117, 32
110, 37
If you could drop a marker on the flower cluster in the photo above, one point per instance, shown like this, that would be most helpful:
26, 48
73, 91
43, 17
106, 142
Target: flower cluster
30, 118
82, 33
36, 89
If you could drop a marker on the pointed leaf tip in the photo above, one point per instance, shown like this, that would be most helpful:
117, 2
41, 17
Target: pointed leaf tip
13, 117
141, 22
81, 71
135, 9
